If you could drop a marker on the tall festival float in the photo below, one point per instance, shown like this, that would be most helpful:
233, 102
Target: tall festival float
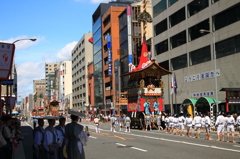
145, 88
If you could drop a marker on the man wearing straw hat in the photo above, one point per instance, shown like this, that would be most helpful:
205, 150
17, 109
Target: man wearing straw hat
76, 138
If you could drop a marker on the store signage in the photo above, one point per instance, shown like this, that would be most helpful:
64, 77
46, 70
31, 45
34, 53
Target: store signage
201, 76
6, 59
202, 94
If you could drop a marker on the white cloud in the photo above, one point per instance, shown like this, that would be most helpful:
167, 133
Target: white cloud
23, 44
65, 53
27, 72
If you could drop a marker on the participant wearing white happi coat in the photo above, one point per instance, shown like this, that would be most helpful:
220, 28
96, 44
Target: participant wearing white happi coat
197, 122
171, 124
167, 124
128, 123
50, 140
220, 124
113, 124
39, 151
97, 123
148, 121
176, 125
181, 121
230, 122
158, 120
121, 123
207, 124
188, 123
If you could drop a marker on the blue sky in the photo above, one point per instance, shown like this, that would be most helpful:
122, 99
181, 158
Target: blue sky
57, 25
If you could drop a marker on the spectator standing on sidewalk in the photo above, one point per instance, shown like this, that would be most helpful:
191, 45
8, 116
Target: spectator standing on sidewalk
3, 142
7, 135
50, 139
76, 138
60, 135
38, 133
96, 123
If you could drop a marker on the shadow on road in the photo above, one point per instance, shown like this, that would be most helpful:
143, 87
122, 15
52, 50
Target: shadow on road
27, 141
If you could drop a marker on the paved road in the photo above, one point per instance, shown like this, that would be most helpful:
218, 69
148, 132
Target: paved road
152, 144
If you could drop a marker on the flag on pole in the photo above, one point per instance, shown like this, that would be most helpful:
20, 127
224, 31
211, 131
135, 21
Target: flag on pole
174, 84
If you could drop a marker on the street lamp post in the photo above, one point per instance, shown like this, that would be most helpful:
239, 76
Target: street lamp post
32, 39
215, 65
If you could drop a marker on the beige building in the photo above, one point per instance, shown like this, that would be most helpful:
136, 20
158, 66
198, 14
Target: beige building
39, 89
64, 80
82, 55
181, 48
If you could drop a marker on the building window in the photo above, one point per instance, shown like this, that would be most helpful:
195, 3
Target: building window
228, 47
196, 6
171, 2
159, 8
164, 64
194, 32
227, 17
160, 27
177, 17
161, 47
200, 55
179, 62
106, 20
178, 39
136, 29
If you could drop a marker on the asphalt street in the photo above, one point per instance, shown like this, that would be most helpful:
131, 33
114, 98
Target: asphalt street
140, 144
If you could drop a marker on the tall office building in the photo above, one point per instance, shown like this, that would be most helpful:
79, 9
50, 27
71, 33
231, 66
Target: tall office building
98, 54
180, 47
51, 85
81, 56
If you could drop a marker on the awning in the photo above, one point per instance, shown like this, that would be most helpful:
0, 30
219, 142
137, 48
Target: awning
15, 112
207, 100
189, 101
230, 89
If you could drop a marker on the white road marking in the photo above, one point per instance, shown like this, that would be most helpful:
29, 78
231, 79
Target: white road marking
236, 145
226, 149
189, 143
93, 137
139, 149
133, 147
120, 144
